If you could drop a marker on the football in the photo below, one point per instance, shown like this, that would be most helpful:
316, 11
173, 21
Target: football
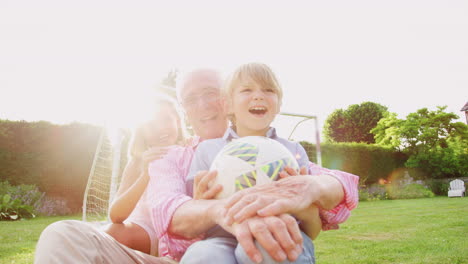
250, 161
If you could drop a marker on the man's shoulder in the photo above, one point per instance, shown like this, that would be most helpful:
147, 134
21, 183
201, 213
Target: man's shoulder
212, 143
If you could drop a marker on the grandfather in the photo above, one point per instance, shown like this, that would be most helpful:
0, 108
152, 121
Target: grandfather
181, 220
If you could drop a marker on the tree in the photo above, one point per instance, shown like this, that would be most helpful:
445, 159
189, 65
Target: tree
170, 79
355, 123
387, 132
432, 140
168, 84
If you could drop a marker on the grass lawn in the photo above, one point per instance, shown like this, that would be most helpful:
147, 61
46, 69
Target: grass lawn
400, 231
18, 239
430, 230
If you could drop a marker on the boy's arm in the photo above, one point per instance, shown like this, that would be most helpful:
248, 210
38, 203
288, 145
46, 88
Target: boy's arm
310, 222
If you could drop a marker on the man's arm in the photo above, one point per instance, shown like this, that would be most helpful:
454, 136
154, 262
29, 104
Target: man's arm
290, 195
194, 217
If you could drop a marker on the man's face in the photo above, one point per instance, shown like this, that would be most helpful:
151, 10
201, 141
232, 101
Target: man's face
201, 100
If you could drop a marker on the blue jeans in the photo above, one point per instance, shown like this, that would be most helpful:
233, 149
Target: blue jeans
226, 250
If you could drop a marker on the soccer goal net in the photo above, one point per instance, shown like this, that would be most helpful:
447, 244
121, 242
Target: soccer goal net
301, 128
104, 176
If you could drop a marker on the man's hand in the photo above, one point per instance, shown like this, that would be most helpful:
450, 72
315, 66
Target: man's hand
289, 195
279, 235
203, 187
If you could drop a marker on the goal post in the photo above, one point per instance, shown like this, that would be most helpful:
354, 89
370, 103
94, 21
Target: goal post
317, 131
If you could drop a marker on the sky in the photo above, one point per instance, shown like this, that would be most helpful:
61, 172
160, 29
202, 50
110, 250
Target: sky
98, 61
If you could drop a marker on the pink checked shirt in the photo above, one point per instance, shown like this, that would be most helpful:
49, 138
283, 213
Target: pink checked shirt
167, 191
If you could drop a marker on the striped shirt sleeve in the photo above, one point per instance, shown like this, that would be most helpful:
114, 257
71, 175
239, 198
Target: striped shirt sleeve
167, 191
339, 214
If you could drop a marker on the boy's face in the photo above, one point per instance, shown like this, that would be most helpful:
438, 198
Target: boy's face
254, 108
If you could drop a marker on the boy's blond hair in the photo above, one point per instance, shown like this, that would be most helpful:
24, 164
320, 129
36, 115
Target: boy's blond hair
138, 143
258, 73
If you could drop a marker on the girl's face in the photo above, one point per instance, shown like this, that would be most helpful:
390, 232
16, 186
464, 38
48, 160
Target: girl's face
163, 129
254, 108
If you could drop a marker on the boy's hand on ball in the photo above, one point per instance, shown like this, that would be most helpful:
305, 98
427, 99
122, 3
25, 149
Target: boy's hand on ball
203, 187
289, 171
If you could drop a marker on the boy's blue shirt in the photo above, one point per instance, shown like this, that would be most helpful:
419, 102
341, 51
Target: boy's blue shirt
208, 149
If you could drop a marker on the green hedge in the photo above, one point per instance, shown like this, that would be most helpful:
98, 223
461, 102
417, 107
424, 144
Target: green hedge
56, 158
410, 191
369, 162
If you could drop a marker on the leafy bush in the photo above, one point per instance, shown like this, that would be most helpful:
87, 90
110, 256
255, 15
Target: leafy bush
434, 142
13, 209
409, 191
438, 187
443, 162
53, 206
28, 197
369, 162
374, 192
27, 194
56, 158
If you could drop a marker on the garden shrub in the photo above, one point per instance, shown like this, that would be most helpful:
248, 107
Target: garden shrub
30, 197
19, 201
374, 192
409, 191
369, 162
51, 206
438, 186
13, 209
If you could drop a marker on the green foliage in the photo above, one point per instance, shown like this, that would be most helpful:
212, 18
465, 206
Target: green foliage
394, 191
168, 84
374, 192
27, 194
13, 209
438, 187
369, 162
386, 132
409, 191
354, 124
170, 78
53, 206
57, 158
433, 142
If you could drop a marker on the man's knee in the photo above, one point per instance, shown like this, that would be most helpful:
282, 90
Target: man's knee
307, 255
57, 230
54, 242
212, 250
67, 234
242, 257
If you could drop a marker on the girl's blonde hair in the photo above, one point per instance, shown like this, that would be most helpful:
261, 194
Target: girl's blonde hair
259, 73
138, 143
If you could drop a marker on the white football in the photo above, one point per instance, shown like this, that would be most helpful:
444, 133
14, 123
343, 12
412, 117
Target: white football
250, 161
